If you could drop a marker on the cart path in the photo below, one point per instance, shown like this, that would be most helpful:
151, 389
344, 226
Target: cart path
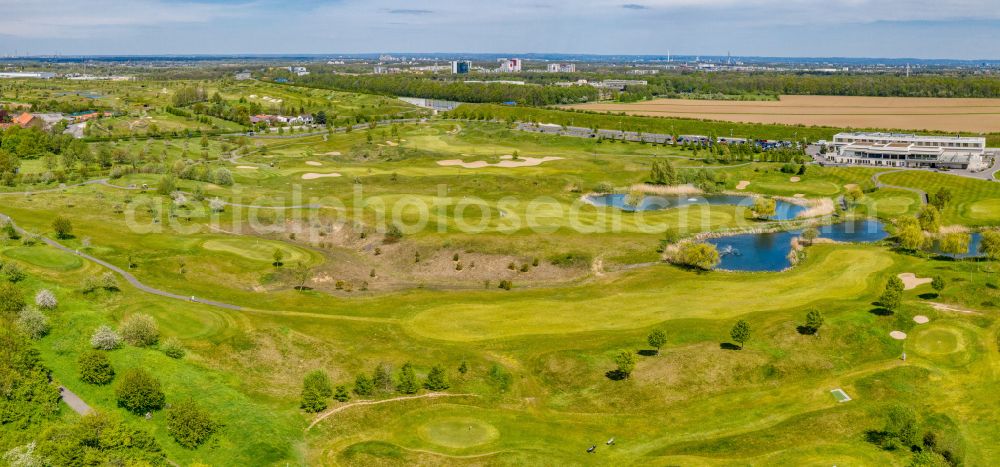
74, 402
430, 395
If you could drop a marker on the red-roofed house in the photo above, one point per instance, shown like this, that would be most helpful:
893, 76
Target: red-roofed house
26, 120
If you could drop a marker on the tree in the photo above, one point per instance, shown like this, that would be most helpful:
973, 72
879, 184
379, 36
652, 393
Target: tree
892, 296
930, 219
316, 390
938, 284
13, 272
854, 195
138, 392
166, 185
814, 320
764, 208
941, 198
32, 323
810, 234
463, 368
909, 234
95, 368
302, 274
656, 339
989, 244
173, 348
955, 244
626, 361
140, 330
190, 424
740, 333
363, 386
46, 300
10, 231
278, 256
105, 338
63, 227
11, 299
901, 424
109, 282
407, 380
697, 255
341, 394
437, 380
382, 379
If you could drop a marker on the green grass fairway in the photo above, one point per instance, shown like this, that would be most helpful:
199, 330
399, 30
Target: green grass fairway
938, 340
49, 258
634, 302
458, 433
256, 249
987, 210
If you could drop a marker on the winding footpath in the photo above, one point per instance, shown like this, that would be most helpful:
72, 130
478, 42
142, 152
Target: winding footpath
431, 395
121, 272
924, 198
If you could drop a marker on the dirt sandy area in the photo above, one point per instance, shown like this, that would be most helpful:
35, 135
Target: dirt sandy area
507, 163
743, 185
898, 335
911, 281
795, 179
248, 167
331, 153
817, 207
314, 163
314, 176
799, 195
975, 115
921, 319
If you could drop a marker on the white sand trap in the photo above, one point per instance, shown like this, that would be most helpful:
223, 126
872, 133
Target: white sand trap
799, 195
911, 281
390, 143
921, 319
794, 179
850, 186
331, 153
314, 163
523, 162
743, 185
507, 157
943, 307
898, 335
248, 167
314, 176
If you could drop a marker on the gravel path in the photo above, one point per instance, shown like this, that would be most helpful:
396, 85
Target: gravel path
74, 402
923, 194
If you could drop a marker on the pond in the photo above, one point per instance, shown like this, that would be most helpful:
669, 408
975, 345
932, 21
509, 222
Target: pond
975, 239
783, 210
769, 251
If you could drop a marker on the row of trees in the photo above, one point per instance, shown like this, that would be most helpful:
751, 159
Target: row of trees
317, 388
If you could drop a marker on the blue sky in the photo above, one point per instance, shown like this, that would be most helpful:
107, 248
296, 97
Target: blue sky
961, 29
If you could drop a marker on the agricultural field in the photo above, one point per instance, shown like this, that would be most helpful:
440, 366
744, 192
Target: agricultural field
968, 116
468, 251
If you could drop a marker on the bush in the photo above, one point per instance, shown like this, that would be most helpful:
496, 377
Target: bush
140, 330
173, 348
11, 299
315, 391
437, 380
571, 259
109, 282
190, 425
13, 272
363, 386
90, 284
407, 380
138, 392
32, 323
63, 227
341, 394
95, 368
105, 338
697, 255
393, 234
46, 300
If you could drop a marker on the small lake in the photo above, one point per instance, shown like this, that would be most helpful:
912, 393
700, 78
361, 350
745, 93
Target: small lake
783, 210
769, 251
974, 241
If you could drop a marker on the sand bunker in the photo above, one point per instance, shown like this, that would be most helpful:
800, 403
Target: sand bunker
314, 163
911, 281
794, 179
331, 153
313, 176
391, 143
799, 195
850, 186
666, 190
743, 185
898, 335
921, 319
248, 167
522, 162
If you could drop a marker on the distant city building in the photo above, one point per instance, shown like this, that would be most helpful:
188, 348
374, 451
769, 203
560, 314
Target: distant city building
619, 84
243, 76
27, 74
495, 81
562, 68
461, 67
298, 70
907, 150
510, 65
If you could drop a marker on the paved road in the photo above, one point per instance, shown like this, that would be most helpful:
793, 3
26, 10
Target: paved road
74, 402
121, 272
923, 194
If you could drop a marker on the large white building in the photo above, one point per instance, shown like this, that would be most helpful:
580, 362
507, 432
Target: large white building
561, 68
510, 65
906, 150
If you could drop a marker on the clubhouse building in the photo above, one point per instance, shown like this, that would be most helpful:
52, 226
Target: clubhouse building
906, 150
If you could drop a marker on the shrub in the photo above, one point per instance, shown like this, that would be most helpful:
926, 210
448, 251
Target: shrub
11, 300
140, 330
315, 391
393, 234
341, 394
697, 255
223, 176
13, 272
571, 259
95, 368
32, 323
173, 348
363, 386
138, 392
437, 380
46, 300
90, 284
63, 227
109, 282
190, 425
105, 338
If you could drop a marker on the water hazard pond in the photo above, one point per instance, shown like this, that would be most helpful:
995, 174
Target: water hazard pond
783, 210
769, 251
